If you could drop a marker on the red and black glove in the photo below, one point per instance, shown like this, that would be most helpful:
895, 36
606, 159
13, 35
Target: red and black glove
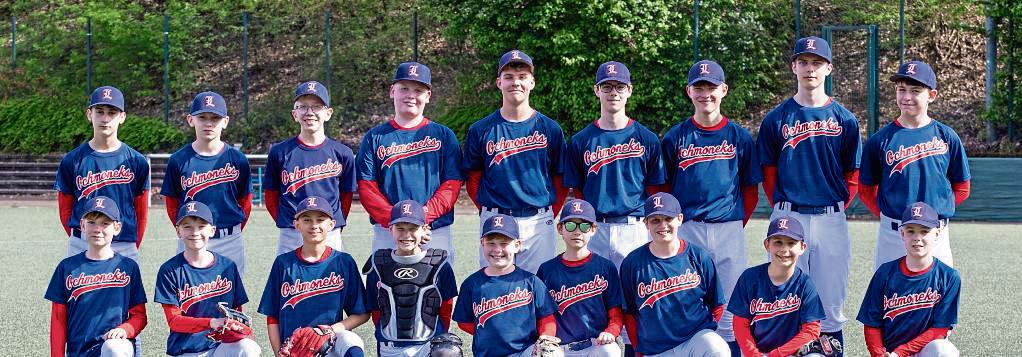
309, 342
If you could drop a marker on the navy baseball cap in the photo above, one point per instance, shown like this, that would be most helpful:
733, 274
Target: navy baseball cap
812, 45
787, 227
408, 211
104, 205
501, 224
107, 95
414, 71
194, 209
613, 71
578, 209
315, 203
920, 213
662, 203
513, 56
917, 71
209, 102
706, 71
313, 88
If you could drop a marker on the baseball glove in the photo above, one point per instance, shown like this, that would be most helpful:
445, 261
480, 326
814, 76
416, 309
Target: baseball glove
237, 326
309, 342
548, 346
825, 345
445, 345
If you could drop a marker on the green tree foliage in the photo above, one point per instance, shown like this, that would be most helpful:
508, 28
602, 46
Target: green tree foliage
1009, 14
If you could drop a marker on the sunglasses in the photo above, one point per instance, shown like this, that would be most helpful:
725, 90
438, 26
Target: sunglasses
585, 227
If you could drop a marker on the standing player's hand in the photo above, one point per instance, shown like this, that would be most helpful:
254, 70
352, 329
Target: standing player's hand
217, 323
117, 333
605, 338
428, 236
892, 354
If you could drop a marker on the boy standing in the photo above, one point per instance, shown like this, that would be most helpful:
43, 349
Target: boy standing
410, 158
512, 157
312, 288
915, 158
911, 303
192, 284
210, 171
809, 148
776, 308
104, 166
98, 299
409, 291
310, 164
584, 286
505, 308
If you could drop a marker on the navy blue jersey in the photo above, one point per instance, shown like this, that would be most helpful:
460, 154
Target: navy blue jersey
300, 293
298, 171
914, 165
444, 281
98, 295
218, 181
196, 291
613, 167
812, 149
121, 175
518, 160
707, 168
776, 312
504, 309
411, 163
671, 298
904, 306
583, 295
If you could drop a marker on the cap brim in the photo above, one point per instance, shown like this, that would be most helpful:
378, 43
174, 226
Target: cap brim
502, 232
783, 234
713, 81
578, 216
179, 219
924, 223
428, 85
619, 79
317, 95
662, 213
116, 219
904, 77
501, 69
119, 107
795, 56
299, 213
411, 220
197, 112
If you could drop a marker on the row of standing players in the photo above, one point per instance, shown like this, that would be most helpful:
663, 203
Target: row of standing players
516, 162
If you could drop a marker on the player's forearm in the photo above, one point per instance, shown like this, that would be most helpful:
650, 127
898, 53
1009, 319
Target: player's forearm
374, 202
172, 204
443, 199
58, 330
468, 327
180, 323
769, 182
65, 207
874, 341
615, 319
961, 191
141, 216
868, 196
352, 321
632, 328
446, 311
136, 322
810, 331
272, 200
916, 344
547, 325
245, 202
750, 198
346, 198
743, 336
560, 193
475, 177
852, 181
273, 334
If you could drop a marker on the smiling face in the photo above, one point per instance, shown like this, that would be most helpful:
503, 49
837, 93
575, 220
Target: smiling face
314, 226
499, 250
208, 126
105, 120
98, 230
663, 229
408, 237
918, 239
195, 233
516, 83
310, 112
784, 250
913, 98
706, 96
576, 239
613, 96
811, 70
410, 98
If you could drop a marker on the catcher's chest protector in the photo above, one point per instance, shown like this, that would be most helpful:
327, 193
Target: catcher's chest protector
408, 295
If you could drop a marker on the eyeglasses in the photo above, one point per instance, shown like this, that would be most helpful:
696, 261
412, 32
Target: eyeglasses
585, 227
607, 88
301, 108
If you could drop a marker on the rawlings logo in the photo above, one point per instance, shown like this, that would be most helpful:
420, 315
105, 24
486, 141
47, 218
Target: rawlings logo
200, 181
488, 308
768, 310
602, 156
94, 181
301, 290
302, 176
85, 283
396, 152
504, 148
569, 296
898, 160
800, 131
897, 305
695, 154
190, 295
658, 289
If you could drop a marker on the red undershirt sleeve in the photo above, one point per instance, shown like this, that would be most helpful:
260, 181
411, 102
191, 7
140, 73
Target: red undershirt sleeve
136, 321
868, 196
141, 215
717, 313
810, 331
65, 207
560, 194
443, 200
653, 189
446, 311
547, 325
961, 191
374, 202
346, 198
750, 198
631, 327
58, 330
916, 344
852, 180
743, 336
468, 327
472, 186
272, 320
173, 205
874, 341
180, 323
376, 317
272, 200
245, 202
614, 317
769, 182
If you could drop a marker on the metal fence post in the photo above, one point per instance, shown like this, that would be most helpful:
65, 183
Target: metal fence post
991, 72
166, 68
829, 82
873, 84
415, 36
244, 71
88, 56
798, 19
14, 42
695, 30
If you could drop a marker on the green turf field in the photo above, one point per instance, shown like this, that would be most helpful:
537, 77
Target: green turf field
986, 255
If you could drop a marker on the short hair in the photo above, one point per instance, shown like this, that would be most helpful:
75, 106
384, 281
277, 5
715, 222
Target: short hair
94, 215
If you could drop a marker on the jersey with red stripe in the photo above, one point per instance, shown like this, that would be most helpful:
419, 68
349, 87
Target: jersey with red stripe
196, 291
300, 293
914, 165
517, 159
583, 295
411, 163
707, 168
904, 306
98, 294
671, 298
298, 171
217, 181
776, 312
812, 149
121, 175
613, 167
504, 310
